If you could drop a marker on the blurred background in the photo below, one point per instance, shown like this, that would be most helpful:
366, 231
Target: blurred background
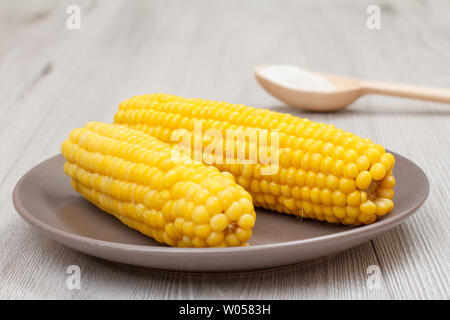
55, 77
208, 49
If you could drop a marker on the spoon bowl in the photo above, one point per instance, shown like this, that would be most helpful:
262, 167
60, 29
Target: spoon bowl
347, 90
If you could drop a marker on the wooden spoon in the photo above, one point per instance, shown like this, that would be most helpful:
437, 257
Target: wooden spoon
347, 91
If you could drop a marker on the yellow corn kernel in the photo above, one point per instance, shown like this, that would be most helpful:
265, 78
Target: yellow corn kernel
234, 212
354, 199
373, 155
347, 185
388, 182
351, 170
352, 212
340, 212
364, 180
339, 198
385, 193
246, 221
338, 168
200, 215
326, 197
226, 198
363, 163
219, 222
378, 171
199, 242
232, 240
213, 207
215, 238
202, 231
368, 207
332, 182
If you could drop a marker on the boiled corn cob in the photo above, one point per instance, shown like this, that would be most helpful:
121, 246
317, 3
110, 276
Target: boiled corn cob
323, 172
151, 188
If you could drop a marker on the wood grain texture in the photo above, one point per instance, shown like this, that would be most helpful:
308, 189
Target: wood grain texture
53, 79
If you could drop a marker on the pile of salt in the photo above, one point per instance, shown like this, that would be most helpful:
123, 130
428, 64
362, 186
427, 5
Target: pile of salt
295, 78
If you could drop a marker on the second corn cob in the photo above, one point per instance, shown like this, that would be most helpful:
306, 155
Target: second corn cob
150, 187
324, 173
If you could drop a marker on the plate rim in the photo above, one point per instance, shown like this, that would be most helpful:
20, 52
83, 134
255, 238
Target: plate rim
379, 226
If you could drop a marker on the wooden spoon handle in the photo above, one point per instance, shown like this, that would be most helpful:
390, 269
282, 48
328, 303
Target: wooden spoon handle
407, 91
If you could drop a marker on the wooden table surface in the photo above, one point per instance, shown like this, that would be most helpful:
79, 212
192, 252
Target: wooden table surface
53, 79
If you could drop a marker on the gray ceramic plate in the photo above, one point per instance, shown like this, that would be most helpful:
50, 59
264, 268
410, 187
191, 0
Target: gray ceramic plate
45, 198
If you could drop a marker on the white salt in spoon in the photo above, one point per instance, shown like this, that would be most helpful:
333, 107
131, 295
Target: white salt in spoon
316, 91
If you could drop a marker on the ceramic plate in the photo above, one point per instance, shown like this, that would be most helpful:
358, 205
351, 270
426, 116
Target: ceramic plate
45, 199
